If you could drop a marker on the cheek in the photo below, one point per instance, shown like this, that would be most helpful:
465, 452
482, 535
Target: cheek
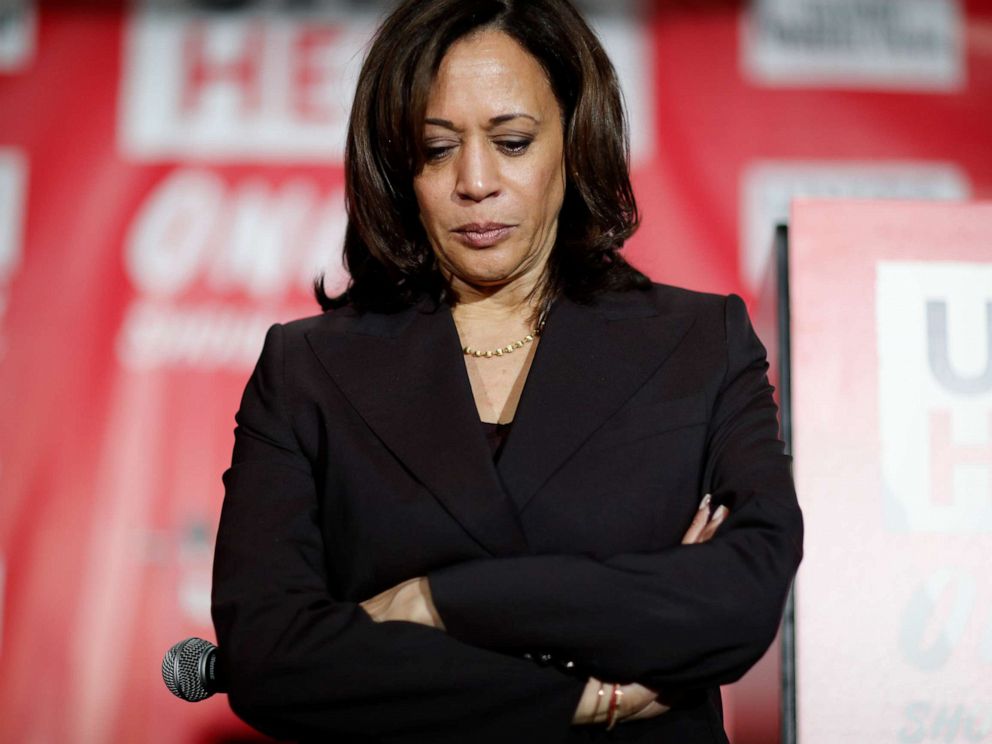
428, 202
553, 172
542, 184
553, 192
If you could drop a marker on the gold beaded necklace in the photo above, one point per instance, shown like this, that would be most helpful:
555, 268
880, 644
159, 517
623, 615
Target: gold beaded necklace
508, 349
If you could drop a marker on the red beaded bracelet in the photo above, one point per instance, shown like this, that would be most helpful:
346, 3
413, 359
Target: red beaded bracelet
614, 709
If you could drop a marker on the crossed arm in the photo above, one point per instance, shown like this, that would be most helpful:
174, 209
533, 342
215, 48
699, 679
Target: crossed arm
411, 601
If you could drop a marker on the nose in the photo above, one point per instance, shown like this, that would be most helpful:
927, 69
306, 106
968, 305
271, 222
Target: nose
477, 171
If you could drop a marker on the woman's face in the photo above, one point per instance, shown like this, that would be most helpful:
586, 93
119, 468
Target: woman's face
494, 178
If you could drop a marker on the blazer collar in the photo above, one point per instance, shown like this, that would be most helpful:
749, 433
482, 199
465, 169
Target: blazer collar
590, 361
405, 375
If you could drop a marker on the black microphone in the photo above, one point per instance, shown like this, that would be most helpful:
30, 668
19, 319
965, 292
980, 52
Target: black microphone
189, 670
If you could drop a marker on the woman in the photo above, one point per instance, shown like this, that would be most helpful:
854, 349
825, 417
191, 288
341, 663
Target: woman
464, 502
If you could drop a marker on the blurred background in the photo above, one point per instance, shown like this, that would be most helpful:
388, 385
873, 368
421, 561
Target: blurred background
171, 181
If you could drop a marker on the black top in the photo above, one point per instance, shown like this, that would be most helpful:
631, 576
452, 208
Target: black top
496, 435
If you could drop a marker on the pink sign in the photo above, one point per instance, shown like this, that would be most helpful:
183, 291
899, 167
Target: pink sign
892, 407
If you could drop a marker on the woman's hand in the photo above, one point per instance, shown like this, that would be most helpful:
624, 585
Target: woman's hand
638, 701
704, 525
410, 601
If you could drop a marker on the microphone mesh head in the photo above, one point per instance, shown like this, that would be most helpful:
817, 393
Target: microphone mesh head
183, 669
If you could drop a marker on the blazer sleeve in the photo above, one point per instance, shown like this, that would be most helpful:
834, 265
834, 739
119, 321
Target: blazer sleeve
683, 617
300, 662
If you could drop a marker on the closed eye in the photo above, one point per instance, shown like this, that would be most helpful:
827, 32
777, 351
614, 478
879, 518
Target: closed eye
513, 147
434, 154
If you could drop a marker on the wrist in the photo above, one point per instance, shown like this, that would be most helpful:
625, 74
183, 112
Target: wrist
613, 713
428, 611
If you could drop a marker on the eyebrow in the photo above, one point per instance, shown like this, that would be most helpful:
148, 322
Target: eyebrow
493, 122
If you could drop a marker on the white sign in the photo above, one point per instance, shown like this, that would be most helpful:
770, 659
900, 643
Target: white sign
769, 187
935, 395
253, 238
13, 193
214, 263
879, 44
18, 28
271, 84
238, 86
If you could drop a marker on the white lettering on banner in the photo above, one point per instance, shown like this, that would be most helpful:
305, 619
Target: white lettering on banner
205, 336
13, 195
768, 188
934, 338
18, 29
275, 83
253, 238
928, 648
13, 187
932, 632
171, 233
197, 235
238, 86
879, 44
926, 721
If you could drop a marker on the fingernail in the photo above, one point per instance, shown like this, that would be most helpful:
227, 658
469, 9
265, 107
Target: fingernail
705, 502
720, 513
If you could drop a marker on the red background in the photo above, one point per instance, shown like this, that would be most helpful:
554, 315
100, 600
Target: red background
110, 475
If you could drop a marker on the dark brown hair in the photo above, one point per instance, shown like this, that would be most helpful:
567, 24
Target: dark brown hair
386, 249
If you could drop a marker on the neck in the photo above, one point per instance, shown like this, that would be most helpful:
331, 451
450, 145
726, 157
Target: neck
518, 300
497, 308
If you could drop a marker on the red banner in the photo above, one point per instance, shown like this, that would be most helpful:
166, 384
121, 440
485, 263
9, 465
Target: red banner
171, 179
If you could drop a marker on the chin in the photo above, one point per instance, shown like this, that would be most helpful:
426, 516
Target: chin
485, 273
489, 280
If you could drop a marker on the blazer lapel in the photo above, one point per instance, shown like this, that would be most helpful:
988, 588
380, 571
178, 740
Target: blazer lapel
404, 375
591, 359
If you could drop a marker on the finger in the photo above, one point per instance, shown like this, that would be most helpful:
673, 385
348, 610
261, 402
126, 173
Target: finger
699, 521
370, 609
588, 709
719, 515
652, 709
636, 696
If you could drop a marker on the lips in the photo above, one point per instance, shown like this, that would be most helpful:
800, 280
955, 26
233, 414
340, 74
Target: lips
483, 235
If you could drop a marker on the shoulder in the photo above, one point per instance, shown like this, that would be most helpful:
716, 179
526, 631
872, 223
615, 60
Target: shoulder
299, 327
726, 315
345, 318
721, 318
666, 299
726, 309
714, 320
289, 333
328, 329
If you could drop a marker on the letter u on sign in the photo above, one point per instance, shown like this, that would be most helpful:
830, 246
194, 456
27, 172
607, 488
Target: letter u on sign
934, 337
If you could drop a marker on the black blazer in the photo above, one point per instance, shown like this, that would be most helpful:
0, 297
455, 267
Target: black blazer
359, 462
